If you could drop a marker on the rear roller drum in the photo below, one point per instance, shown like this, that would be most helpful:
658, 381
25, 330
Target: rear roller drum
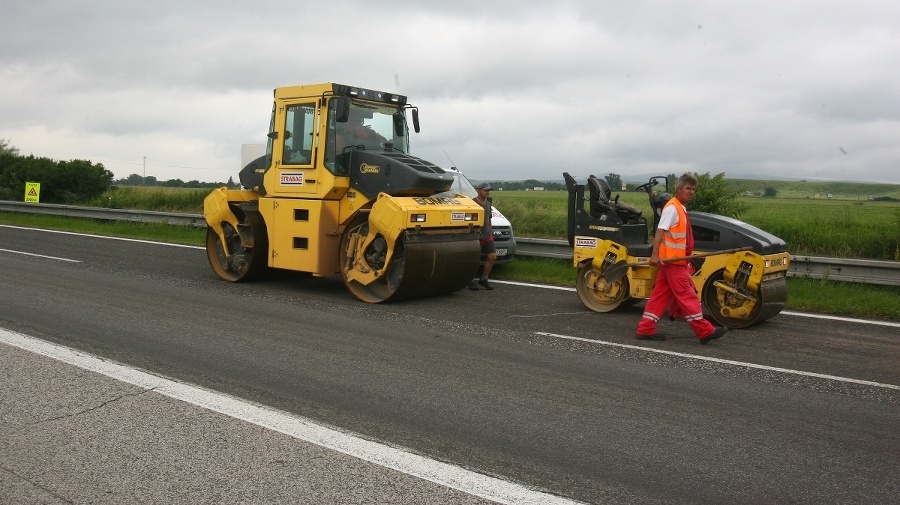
245, 260
382, 288
596, 293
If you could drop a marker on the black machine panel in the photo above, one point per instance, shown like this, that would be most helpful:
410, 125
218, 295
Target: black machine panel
714, 232
251, 176
395, 173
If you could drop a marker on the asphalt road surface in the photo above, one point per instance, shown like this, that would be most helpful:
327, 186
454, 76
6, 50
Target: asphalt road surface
186, 388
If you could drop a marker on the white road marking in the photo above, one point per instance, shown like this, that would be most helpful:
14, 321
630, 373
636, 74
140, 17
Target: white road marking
40, 255
543, 286
451, 476
839, 318
544, 314
723, 361
103, 236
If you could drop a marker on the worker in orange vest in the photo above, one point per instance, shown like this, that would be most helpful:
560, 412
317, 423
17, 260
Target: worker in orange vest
673, 288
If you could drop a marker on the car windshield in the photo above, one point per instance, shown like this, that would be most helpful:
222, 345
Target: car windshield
460, 186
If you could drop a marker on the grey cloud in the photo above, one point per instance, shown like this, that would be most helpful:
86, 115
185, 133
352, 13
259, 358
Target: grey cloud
510, 89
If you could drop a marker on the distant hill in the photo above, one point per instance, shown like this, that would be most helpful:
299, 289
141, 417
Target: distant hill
819, 189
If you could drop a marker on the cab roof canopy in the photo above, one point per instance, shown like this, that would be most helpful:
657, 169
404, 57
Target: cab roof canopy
328, 88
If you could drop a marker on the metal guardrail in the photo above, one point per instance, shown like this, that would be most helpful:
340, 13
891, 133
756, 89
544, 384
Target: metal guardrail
846, 269
814, 267
140, 216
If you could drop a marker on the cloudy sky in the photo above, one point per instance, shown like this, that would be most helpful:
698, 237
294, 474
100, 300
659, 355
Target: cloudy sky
507, 90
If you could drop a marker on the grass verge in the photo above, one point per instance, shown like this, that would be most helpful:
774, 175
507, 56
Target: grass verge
820, 296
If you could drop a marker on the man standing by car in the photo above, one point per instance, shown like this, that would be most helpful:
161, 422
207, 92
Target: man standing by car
488, 251
674, 239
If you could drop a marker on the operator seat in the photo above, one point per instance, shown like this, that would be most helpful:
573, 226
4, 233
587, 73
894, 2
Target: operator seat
598, 198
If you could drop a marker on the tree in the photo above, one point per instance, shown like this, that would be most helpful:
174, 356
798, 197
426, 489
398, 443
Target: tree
173, 183
135, 180
717, 196
74, 181
672, 180
12, 176
6, 148
615, 182
770, 191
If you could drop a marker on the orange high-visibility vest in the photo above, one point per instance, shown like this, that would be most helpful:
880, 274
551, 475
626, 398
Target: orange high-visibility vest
675, 240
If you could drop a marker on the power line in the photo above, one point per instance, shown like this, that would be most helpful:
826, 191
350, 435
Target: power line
155, 165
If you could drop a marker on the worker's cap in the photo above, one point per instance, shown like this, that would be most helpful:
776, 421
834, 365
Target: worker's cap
485, 185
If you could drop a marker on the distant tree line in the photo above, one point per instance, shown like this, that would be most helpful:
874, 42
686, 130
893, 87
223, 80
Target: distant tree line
526, 185
139, 180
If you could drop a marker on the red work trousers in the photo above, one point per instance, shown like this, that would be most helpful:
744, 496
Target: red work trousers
674, 286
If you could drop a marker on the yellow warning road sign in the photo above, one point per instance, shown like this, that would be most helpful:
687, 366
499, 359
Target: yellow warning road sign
32, 192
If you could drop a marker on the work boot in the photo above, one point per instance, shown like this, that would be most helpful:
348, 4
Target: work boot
714, 335
485, 284
473, 285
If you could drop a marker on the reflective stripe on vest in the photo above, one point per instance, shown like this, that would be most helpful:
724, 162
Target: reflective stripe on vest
674, 242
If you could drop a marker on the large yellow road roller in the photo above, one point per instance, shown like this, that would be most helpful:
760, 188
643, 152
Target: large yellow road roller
337, 191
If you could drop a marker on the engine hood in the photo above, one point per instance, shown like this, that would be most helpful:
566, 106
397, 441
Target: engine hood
715, 232
497, 218
395, 173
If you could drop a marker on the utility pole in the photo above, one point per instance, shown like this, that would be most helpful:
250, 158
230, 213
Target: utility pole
144, 178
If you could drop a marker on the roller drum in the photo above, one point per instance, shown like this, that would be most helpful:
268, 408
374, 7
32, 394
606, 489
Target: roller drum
770, 302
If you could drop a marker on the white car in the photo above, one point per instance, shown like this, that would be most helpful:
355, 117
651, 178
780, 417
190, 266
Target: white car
503, 234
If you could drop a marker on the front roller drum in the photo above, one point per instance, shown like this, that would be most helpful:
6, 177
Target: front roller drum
598, 294
417, 269
728, 309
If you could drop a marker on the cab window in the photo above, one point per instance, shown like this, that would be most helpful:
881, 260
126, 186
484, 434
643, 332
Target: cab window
298, 136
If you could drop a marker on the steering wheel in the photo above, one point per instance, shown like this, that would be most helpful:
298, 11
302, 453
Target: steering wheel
647, 186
